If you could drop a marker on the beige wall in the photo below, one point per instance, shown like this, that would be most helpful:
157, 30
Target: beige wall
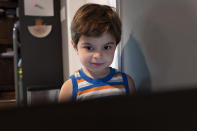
159, 38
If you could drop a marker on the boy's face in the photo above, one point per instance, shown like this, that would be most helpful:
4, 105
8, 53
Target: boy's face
96, 53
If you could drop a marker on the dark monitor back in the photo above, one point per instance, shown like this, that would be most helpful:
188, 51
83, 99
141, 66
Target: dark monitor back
160, 111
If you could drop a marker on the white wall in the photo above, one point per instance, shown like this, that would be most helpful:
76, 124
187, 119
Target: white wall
159, 43
70, 59
73, 61
104, 2
64, 30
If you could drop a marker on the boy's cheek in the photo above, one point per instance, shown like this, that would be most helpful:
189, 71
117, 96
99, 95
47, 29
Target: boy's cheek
84, 57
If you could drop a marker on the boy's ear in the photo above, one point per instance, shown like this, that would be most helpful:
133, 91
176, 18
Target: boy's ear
74, 45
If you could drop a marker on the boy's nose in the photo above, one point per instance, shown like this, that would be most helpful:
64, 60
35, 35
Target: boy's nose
97, 54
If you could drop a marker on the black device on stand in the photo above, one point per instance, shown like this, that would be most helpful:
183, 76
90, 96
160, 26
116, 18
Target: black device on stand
38, 61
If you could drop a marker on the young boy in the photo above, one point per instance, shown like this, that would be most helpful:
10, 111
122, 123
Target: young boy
96, 31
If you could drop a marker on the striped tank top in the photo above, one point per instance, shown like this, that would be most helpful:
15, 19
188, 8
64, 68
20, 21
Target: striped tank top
85, 88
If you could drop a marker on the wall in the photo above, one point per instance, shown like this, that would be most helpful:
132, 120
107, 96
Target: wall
70, 59
65, 57
159, 43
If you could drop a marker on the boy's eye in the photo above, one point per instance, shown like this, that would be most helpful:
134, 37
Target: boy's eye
107, 47
88, 48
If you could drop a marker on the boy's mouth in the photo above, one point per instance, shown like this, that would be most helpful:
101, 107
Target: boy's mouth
97, 64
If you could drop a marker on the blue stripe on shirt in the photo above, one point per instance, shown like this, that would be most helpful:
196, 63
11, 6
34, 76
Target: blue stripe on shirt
125, 83
75, 87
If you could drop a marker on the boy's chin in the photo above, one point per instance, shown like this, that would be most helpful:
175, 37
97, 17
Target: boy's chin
98, 69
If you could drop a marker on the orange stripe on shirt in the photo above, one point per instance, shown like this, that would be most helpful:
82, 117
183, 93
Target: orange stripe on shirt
99, 88
81, 80
116, 75
76, 71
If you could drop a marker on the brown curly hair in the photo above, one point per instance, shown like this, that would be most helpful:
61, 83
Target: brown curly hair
94, 20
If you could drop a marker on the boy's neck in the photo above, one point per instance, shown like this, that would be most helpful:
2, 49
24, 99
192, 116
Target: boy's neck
96, 75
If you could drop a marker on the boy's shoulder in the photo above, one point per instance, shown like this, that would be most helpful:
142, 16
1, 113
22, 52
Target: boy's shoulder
67, 85
66, 91
129, 79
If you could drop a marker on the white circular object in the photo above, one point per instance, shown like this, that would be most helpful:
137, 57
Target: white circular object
40, 31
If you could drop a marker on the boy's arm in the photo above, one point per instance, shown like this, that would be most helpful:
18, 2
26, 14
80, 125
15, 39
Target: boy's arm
131, 85
66, 92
